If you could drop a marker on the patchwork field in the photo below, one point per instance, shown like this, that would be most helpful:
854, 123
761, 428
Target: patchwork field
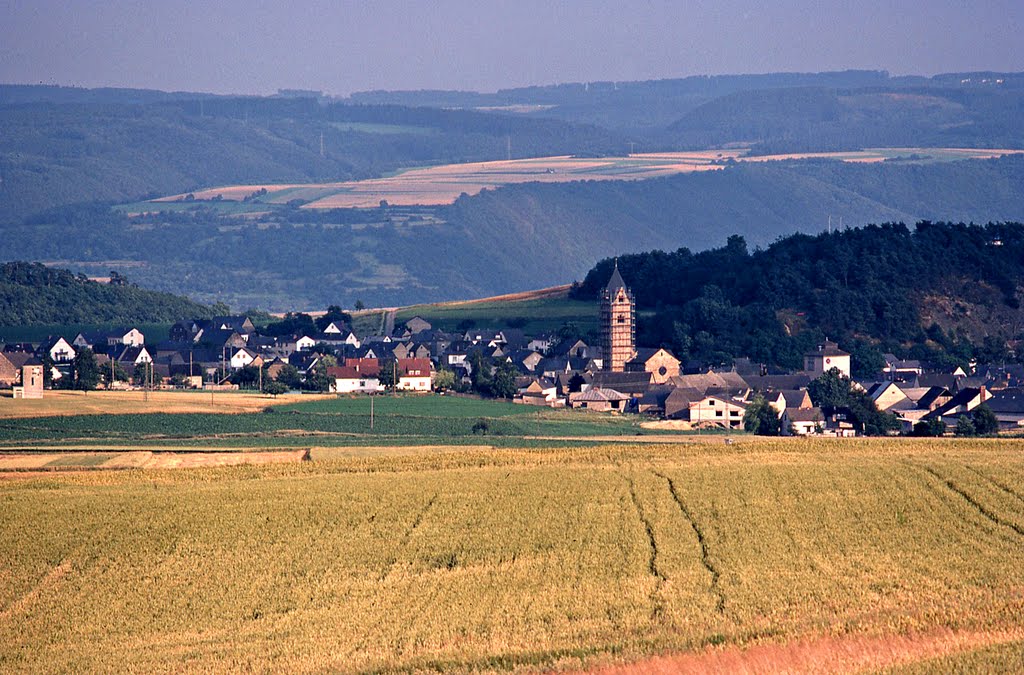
443, 184
762, 556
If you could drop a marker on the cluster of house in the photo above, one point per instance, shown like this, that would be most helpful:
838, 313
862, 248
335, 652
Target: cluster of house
205, 352
655, 383
611, 376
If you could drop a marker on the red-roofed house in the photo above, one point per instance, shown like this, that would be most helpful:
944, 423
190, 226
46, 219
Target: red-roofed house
415, 374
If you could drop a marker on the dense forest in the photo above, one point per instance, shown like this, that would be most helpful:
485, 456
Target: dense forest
942, 292
514, 238
33, 294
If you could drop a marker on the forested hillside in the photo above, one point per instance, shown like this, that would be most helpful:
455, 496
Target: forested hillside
53, 155
938, 291
515, 238
32, 294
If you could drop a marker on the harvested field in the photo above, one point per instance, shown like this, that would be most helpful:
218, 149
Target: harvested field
765, 556
56, 403
443, 184
142, 459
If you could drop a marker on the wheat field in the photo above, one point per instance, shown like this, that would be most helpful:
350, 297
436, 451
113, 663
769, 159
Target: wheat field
496, 559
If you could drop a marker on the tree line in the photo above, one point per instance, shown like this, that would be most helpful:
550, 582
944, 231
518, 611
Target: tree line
864, 287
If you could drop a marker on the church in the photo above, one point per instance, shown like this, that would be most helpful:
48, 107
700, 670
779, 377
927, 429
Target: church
618, 324
618, 336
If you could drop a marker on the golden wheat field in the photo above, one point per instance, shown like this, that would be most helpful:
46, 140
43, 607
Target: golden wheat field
629, 556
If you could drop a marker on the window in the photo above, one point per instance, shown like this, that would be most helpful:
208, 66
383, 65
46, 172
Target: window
663, 370
621, 319
718, 413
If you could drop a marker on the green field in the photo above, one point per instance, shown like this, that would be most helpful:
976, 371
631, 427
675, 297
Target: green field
484, 559
340, 421
533, 315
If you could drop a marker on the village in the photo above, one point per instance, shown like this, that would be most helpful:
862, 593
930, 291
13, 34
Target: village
615, 376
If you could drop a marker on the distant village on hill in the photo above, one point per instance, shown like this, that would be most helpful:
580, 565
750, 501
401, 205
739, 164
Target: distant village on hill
616, 375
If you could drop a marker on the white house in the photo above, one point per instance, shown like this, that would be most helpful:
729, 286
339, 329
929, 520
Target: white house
415, 374
825, 358
133, 356
242, 357
304, 343
717, 411
349, 380
61, 351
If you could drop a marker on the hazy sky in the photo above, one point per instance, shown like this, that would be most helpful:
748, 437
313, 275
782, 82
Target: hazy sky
248, 46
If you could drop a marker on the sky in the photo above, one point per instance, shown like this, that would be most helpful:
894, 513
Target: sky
254, 47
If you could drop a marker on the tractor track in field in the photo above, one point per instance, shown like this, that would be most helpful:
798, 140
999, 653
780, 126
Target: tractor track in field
988, 513
705, 555
657, 605
1005, 488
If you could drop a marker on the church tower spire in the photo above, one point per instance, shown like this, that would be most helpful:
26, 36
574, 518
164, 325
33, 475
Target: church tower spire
618, 323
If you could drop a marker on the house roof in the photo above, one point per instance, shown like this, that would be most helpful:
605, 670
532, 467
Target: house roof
829, 348
20, 359
368, 367
130, 354
1007, 401
962, 398
645, 354
638, 381
710, 380
804, 414
414, 367
602, 394
785, 382
349, 373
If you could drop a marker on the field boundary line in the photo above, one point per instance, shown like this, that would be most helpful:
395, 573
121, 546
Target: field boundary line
705, 555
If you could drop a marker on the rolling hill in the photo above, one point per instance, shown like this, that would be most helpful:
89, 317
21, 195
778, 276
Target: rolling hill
510, 239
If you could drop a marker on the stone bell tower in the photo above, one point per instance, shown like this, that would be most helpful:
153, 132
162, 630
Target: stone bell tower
618, 323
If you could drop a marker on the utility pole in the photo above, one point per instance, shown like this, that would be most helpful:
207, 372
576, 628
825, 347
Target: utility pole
321, 144
371, 412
